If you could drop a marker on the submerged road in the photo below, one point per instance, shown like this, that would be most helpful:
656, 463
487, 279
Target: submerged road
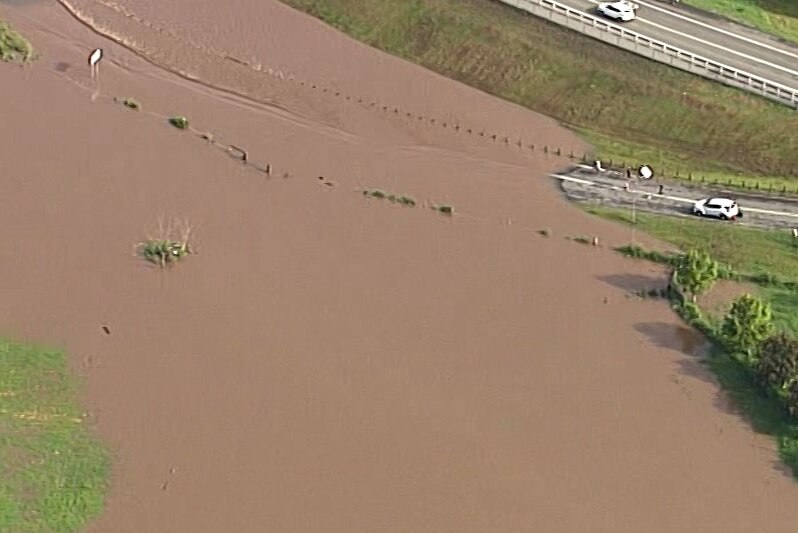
712, 37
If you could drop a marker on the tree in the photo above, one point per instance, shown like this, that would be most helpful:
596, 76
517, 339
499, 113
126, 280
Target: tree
746, 325
696, 271
778, 361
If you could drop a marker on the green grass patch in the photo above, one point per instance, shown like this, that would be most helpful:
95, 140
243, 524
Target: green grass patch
748, 250
13, 46
53, 472
776, 17
179, 122
701, 127
784, 302
767, 258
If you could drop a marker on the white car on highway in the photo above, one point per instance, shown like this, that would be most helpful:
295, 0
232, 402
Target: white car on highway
622, 11
722, 208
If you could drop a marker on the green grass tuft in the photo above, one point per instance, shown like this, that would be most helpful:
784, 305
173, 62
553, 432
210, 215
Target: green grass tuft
164, 252
179, 122
53, 472
13, 46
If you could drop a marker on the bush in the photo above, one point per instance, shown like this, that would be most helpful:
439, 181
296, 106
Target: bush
748, 323
696, 272
133, 104
13, 46
778, 362
165, 249
179, 122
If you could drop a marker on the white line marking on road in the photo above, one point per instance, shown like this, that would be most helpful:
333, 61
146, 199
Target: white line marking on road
719, 47
719, 30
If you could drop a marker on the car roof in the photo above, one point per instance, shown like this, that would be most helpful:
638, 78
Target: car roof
721, 201
620, 6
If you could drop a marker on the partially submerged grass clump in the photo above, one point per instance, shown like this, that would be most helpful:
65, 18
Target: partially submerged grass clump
179, 122
131, 103
169, 246
393, 198
13, 46
54, 471
445, 209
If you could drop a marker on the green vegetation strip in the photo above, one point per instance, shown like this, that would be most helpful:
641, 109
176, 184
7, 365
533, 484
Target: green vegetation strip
755, 351
766, 258
776, 17
631, 109
52, 471
13, 46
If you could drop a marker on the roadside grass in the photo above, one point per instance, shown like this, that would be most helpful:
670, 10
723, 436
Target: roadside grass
776, 17
746, 250
749, 250
672, 165
53, 472
13, 46
622, 101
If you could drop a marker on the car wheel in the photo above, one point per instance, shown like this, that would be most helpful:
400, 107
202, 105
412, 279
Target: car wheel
723, 217
697, 213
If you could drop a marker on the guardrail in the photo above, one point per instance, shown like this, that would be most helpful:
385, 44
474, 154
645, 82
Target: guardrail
659, 51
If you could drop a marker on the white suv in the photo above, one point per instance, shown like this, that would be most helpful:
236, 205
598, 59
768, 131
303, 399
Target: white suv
622, 11
717, 207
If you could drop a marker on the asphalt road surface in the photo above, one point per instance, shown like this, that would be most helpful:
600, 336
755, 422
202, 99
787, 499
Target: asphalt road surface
584, 185
712, 37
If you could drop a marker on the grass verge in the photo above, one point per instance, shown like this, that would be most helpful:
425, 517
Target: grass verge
53, 472
748, 250
760, 406
764, 257
13, 46
776, 17
621, 101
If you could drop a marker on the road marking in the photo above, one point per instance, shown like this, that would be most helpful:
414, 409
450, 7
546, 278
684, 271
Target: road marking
719, 30
674, 198
708, 43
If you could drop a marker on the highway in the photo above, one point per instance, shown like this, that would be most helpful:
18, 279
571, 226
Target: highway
711, 37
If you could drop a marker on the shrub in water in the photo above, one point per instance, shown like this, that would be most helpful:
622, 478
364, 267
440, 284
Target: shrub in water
131, 103
180, 123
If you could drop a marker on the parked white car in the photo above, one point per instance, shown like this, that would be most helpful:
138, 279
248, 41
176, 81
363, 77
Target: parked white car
722, 208
621, 11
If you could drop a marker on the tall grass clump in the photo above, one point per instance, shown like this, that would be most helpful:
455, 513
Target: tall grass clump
13, 46
169, 246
